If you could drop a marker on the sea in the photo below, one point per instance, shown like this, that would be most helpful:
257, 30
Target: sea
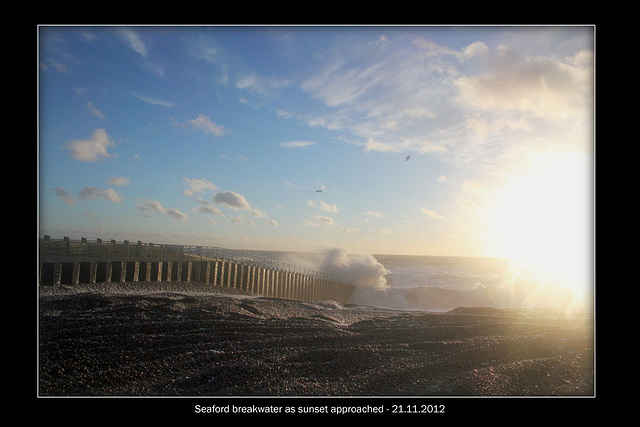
440, 283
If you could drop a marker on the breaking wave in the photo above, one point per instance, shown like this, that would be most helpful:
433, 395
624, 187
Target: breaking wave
442, 283
433, 283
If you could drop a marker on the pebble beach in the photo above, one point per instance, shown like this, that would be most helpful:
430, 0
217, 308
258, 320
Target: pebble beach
186, 339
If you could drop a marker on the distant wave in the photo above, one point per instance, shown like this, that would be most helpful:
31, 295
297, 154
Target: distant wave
423, 298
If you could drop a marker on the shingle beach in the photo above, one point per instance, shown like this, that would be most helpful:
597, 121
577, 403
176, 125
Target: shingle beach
185, 339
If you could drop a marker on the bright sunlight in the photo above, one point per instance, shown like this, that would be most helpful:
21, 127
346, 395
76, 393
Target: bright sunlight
543, 224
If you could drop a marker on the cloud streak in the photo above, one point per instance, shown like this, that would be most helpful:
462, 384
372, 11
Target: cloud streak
452, 103
154, 101
134, 42
297, 144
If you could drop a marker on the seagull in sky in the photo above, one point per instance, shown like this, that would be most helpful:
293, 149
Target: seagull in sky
407, 158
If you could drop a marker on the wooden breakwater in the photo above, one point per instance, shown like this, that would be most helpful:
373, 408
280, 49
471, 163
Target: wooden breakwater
69, 262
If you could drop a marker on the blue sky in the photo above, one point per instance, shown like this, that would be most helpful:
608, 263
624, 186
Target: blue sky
223, 135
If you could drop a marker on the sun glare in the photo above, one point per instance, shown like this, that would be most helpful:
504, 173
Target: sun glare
542, 223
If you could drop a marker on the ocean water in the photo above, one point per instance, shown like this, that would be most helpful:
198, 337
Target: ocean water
439, 283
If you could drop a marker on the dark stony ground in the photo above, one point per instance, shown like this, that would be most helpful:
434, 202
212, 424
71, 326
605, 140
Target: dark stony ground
187, 340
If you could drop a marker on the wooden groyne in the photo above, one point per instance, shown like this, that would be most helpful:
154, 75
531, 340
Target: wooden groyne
72, 262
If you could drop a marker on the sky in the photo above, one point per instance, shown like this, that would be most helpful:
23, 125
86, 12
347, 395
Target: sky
425, 140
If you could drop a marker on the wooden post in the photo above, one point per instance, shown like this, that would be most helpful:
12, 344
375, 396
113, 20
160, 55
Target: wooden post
108, 271
75, 278
57, 273
169, 270
93, 272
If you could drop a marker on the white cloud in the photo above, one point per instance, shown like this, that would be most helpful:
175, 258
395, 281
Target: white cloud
339, 83
177, 215
473, 187
420, 113
208, 209
324, 206
376, 214
240, 156
88, 36
296, 144
460, 104
429, 48
242, 220
119, 181
468, 204
64, 195
205, 124
155, 206
550, 88
154, 101
431, 214
318, 220
477, 48
231, 199
420, 145
237, 201
386, 94
151, 206
206, 52
373, 145
95, 193
257, 213
260, 85
195, 185
89, 150
93, 110
134, 41
250, 83
406, 224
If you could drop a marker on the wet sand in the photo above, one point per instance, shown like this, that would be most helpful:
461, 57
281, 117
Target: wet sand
160, 339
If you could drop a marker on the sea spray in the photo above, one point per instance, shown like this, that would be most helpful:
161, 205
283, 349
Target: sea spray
432, 283
369, 277
360, 270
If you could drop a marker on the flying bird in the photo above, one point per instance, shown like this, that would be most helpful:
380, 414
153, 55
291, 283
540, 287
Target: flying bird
318, 191
407, 158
